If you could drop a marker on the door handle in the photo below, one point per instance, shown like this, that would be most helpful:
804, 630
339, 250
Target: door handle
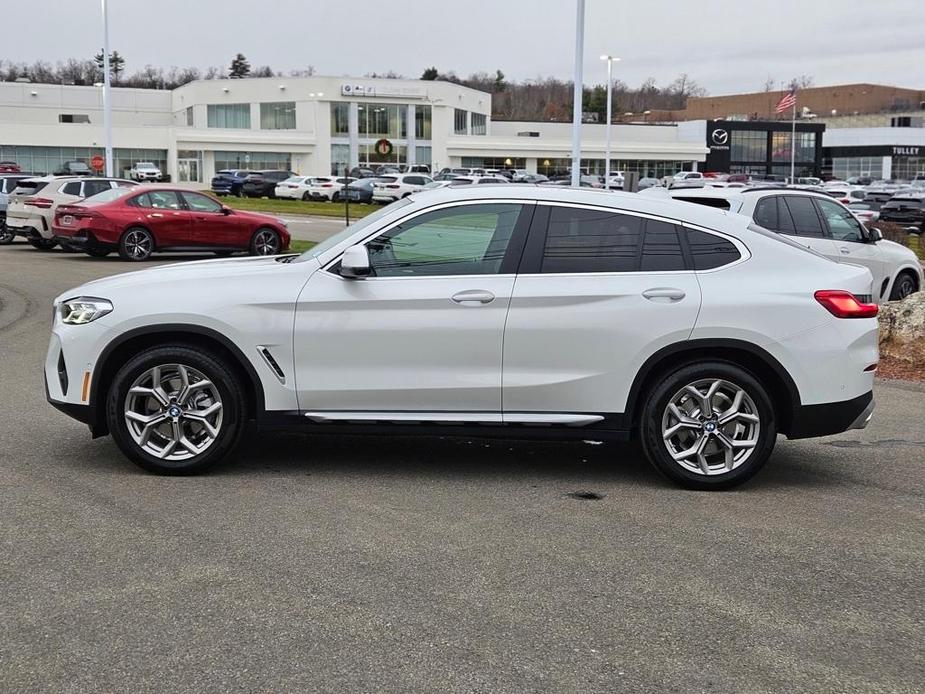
664, 294
155, 214
845, 250
471, 297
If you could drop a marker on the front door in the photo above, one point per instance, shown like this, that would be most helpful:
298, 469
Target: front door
209, 224
598, 292
851, 242
423, 334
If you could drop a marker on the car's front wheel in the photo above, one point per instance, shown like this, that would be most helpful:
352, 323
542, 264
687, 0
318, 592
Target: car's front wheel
904, 285
6, 235
136, 244
175, 409
265, 242
708, 425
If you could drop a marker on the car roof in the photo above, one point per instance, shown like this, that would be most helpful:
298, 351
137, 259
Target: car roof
631, 202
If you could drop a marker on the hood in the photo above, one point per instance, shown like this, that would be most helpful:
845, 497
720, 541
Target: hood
198, 274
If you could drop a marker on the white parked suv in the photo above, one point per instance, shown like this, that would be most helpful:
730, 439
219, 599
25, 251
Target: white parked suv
827, 227
391, 187
328, 188
506, 311
31, 207
145, 171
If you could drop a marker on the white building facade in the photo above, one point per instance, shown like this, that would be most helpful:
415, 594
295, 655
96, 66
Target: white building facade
312, 126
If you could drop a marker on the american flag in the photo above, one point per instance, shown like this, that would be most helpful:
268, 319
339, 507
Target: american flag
788, 101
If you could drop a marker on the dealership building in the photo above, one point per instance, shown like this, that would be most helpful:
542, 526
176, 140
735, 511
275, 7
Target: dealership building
311, 125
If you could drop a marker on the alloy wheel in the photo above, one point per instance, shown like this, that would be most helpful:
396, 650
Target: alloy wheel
173, 412
710, 427
906, 287
138, 244
266, 242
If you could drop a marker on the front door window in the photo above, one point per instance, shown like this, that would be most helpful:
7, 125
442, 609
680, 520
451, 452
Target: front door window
842, 224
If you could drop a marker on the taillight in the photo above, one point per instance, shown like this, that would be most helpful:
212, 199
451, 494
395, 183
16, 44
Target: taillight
842, 304
392, 186
327, 185
43, 203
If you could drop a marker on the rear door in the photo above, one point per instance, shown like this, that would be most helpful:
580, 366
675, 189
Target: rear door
598, 291
163, 214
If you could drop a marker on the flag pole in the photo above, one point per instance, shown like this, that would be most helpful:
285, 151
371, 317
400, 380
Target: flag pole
793, 140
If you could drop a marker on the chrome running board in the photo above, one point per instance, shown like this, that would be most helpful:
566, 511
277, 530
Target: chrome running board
535, 418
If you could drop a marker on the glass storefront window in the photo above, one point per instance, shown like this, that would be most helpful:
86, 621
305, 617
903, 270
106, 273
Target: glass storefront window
340, 118
422, 123
906, 168
277, 116
189, 116
422, 155
748, 145
229, 116
253, 160
459, 122
382, 120
340, 158
479, 124
47, 160
494, 162
805, 147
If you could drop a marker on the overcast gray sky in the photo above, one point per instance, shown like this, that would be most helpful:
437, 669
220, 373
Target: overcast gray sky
725, 45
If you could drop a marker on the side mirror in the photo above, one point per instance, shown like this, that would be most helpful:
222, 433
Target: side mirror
875, 235
226, 210
354, 264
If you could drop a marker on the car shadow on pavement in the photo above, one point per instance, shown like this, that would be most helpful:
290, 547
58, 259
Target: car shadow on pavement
458, 458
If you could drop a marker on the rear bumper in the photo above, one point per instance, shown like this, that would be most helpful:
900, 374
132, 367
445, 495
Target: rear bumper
832, 417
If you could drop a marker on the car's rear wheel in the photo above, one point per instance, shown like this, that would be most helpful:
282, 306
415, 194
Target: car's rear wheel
6, 235
306, 196
175, 409
43, 244
97, 252
335, 197
904, 285
136, 244
708, 425
265, 242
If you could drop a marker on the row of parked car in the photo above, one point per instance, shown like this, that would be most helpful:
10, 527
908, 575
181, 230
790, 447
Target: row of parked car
99, 216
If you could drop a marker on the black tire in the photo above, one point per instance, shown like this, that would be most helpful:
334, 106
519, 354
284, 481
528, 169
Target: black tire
335, 197
306, 197
43, 244
233, 408
654, 416
97, 252
68, 248
904, 285
6, 235
265, 241
136, 244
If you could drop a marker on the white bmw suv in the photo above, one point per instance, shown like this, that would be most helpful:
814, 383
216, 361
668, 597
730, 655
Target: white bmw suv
824, 225
509, 311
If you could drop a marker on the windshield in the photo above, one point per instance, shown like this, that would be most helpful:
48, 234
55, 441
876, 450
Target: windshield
349, 231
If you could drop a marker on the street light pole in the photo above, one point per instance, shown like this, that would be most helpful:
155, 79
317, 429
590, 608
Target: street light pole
610, 60
576, 99
107, 94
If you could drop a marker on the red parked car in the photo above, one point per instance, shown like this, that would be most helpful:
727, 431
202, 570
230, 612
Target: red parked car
142, 220
9, 167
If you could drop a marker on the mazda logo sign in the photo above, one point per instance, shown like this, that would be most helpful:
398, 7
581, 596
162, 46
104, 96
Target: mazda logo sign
720, 137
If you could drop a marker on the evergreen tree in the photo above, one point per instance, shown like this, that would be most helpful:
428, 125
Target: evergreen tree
430, 74
239, 67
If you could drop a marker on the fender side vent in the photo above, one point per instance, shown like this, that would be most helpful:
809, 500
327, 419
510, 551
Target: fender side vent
272, 363
62, 372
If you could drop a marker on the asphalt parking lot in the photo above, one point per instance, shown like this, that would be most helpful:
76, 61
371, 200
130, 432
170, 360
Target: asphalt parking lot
444, 565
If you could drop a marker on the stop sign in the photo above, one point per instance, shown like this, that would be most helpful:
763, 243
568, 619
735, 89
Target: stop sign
97, 162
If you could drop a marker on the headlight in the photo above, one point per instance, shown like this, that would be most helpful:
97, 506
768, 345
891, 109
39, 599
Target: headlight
83, 309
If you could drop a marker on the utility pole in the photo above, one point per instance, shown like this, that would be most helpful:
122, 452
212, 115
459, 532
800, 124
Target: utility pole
107, 93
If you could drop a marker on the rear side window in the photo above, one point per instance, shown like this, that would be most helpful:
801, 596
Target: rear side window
579, 240
766, 213
72, 188
661, 248
93, 187
709, 251
805, 220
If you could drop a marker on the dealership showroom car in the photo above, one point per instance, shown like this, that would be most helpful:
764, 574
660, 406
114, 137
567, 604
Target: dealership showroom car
32, 204
137, 222
393, 187
500, 310
824, 225
8, 183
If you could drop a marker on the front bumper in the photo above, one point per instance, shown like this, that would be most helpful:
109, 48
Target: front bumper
829, 418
